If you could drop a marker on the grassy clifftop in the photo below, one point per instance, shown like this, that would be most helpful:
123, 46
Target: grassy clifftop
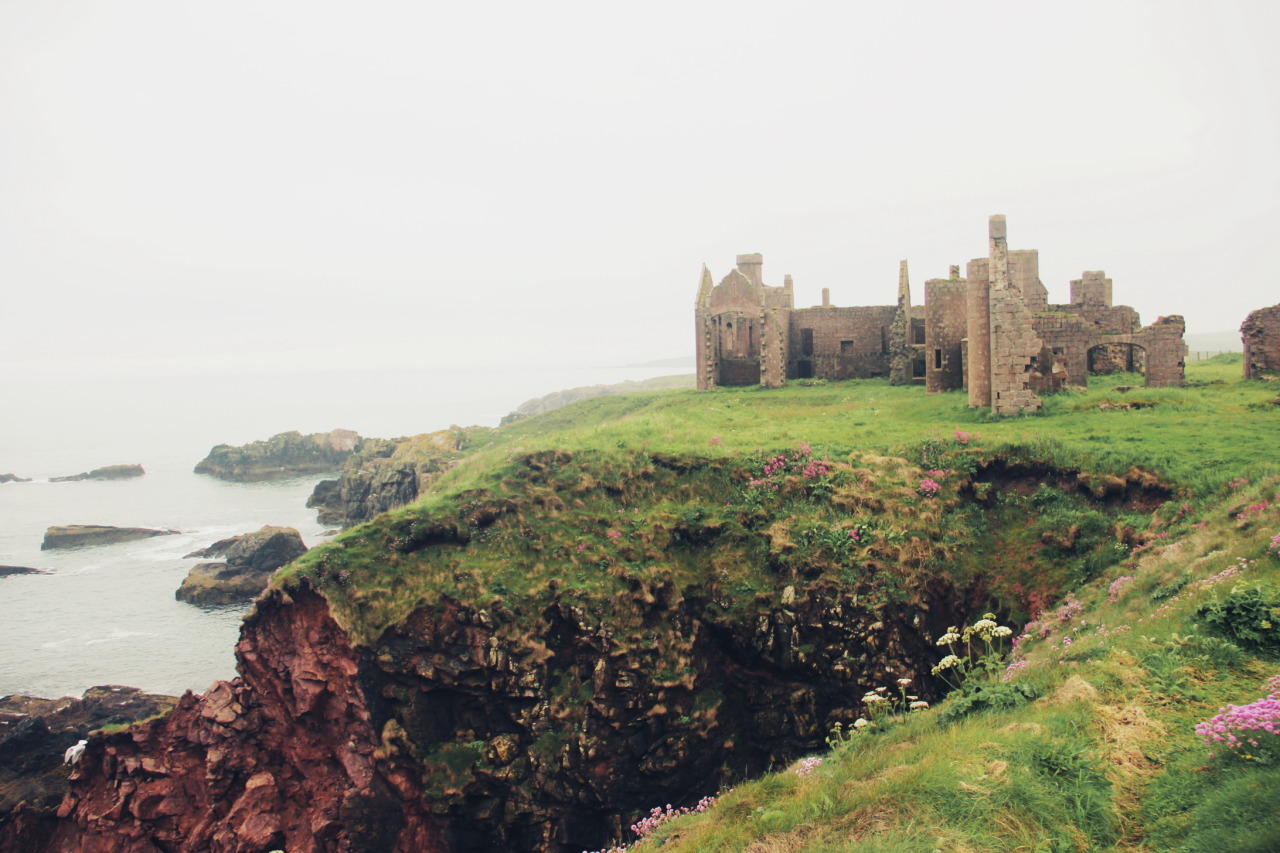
1136, 525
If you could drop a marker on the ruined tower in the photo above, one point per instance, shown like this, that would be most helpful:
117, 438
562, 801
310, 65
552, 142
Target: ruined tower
1014, 344
900, 351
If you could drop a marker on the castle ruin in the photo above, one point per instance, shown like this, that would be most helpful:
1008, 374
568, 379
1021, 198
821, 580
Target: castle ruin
1260, 334
992, 333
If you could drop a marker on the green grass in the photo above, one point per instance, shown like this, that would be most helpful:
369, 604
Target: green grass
617, 502
1107, 760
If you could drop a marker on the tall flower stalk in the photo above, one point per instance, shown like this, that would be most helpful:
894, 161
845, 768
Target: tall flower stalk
977, 650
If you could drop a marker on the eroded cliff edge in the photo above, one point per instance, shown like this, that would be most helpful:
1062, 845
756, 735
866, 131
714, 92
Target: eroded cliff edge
281, 757
531, 660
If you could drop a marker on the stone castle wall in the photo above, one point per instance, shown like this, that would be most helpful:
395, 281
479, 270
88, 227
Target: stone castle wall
993, 333
839, 343
978, 309
946, 325
1261, 335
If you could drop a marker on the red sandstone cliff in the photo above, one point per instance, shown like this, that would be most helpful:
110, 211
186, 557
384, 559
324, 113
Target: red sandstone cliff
280, 758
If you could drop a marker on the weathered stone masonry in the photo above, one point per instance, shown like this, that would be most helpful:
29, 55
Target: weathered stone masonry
1261, 334
993, 333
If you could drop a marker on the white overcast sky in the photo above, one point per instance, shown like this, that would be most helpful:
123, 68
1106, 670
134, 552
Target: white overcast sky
262, 185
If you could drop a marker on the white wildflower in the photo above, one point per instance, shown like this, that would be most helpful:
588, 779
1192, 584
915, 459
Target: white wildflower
946, 663
1000, 631
860, 723
916, 706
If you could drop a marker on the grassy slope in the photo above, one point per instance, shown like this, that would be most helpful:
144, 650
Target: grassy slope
1108, 761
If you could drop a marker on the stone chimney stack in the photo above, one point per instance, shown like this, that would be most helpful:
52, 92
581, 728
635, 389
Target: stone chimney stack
826, 297
751, 266
998, 236
904, 288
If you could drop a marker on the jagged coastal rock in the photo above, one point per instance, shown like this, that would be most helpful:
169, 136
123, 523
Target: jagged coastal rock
13, 478
109, 472
385, 474
34, 734
254, 764
289, 454
75, 535
20, 570
250, 561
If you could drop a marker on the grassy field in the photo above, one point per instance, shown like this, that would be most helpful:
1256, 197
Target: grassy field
1146, 622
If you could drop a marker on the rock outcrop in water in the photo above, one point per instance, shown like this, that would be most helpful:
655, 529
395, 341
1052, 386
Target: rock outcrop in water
13, 478
250, 561
20, 570
75, 535
385, 474
110, 472
289, 454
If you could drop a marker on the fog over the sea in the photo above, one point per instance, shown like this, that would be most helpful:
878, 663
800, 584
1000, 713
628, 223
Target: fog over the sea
207, 187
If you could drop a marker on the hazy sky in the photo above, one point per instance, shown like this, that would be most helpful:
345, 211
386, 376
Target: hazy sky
268, 184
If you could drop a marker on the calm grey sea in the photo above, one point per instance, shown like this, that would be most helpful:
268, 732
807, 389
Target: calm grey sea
106, 614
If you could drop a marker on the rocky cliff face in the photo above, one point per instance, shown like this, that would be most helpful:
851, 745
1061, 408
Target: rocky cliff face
34, 734
558, 745
450, 736
289, 454
286, 756
532, 663
387, 473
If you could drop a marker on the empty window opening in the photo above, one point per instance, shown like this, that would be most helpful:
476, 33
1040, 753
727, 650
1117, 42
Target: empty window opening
846, 347
806, 341
937, 359
917, 368
917, 331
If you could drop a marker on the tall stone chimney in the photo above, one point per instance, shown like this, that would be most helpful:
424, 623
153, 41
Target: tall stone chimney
751, 266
